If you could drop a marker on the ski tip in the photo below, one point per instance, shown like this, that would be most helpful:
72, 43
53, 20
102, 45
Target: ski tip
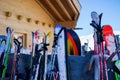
8, 30
58, 26
93, 13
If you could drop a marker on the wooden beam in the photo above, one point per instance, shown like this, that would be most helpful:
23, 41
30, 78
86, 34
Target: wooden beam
77, 5
73, 9
54, 9
65, 11
45, 9
68, 24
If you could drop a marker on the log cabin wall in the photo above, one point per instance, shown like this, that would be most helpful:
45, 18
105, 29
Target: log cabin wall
24, 17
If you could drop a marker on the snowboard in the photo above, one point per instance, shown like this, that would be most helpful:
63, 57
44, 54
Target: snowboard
61, 34
74, 44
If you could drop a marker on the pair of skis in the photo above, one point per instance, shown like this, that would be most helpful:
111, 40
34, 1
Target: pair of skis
6, 55
39, 68
98, 44
58, 70
35, 54
103, 36
17, 46
51, 70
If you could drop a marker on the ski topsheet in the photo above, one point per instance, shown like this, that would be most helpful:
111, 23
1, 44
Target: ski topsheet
7, 50
2, 47
61, 51
109, 40
74, 45
2, 51
36, 40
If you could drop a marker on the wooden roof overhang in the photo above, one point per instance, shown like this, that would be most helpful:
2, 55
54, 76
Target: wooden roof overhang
64, 12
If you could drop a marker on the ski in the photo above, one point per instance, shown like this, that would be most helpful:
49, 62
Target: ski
2, 52
31, 60
52, 67
7, 50
109, 38
36, 40
45, 56
117, 64
61, 52
117, 43
17, 46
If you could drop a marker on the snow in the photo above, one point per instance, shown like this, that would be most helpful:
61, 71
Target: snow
89, 39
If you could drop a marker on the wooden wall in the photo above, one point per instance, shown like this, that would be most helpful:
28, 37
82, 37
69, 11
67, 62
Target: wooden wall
21, 10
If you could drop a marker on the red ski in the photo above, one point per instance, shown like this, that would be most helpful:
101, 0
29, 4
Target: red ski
109, 38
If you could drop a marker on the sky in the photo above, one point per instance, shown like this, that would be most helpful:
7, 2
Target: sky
109, 8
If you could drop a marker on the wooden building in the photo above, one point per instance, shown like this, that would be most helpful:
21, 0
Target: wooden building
26, 16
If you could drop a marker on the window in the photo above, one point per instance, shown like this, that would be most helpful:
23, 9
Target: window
21, 38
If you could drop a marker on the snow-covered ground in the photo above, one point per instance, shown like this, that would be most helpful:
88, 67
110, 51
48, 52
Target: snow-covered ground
89, 39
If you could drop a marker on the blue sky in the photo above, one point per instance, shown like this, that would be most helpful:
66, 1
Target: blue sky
109, 8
